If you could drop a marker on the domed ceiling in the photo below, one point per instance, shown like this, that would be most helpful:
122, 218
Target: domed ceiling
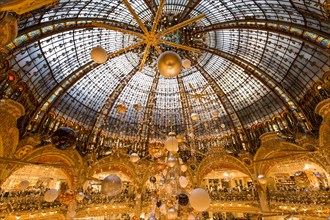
257, 59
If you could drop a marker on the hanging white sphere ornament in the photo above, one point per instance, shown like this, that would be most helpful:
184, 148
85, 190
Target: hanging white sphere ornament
262, 179
184, 168
199, 199
72, 206
191, 217
183, 181
186, 63
194, 116
51, 195
99, 55
71, 214
80, 196
169, 64
169, 189
134, 158
171, 143
163, 209
111, 185
171, 161
24, 185
172, 214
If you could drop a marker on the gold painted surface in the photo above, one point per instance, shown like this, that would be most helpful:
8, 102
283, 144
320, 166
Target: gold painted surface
24, 6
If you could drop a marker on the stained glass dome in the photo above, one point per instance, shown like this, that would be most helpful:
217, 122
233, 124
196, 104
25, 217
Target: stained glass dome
257, 60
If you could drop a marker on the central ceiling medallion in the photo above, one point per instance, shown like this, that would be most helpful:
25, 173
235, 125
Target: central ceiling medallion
162, 34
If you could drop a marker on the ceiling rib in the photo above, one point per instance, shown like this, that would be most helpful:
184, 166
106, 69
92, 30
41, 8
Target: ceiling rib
227, 105
109, 104
186, 109
50, 99
148, 113
61, 88
41, 31
265, 79
189, 8
309, 35
151, 4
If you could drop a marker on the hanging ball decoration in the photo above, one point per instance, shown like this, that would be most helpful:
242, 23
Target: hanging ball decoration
111, 185
171, 143
183, 199
153, 179
194, 116
51, 195
262, 179
80, 196
138, 107
172, 214
169, 64
171, 161
191, 217
134, 158
215, 115
186, 63
64, 138
184, 168
163, 209
71, 214
121, 109
24, 185
199, 199
180, 138
72, 206
152, 218
99, 55
169, 189
183, 181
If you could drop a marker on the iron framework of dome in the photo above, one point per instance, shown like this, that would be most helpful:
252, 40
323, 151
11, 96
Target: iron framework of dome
258, 60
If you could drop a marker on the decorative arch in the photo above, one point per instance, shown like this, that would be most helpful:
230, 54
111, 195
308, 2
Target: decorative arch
278, 151
111, 163
220, 160
70, 161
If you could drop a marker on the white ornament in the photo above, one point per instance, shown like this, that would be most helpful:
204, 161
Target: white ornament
183, 181
199, 199
194, 116
172, 144
186, 63
184, 168
51, 195
134, 158
111, 185
80, 196
24, 185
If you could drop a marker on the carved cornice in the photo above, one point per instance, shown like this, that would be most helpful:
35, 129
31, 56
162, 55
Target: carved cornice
13, 108
323, 109
24, 6
269, 136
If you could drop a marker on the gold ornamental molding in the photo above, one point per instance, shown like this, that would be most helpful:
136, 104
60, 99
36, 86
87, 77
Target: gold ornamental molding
13, 108
323, 109
24, 6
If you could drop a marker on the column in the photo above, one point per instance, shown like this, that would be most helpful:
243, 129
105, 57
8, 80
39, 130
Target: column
323, 109
10, 111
